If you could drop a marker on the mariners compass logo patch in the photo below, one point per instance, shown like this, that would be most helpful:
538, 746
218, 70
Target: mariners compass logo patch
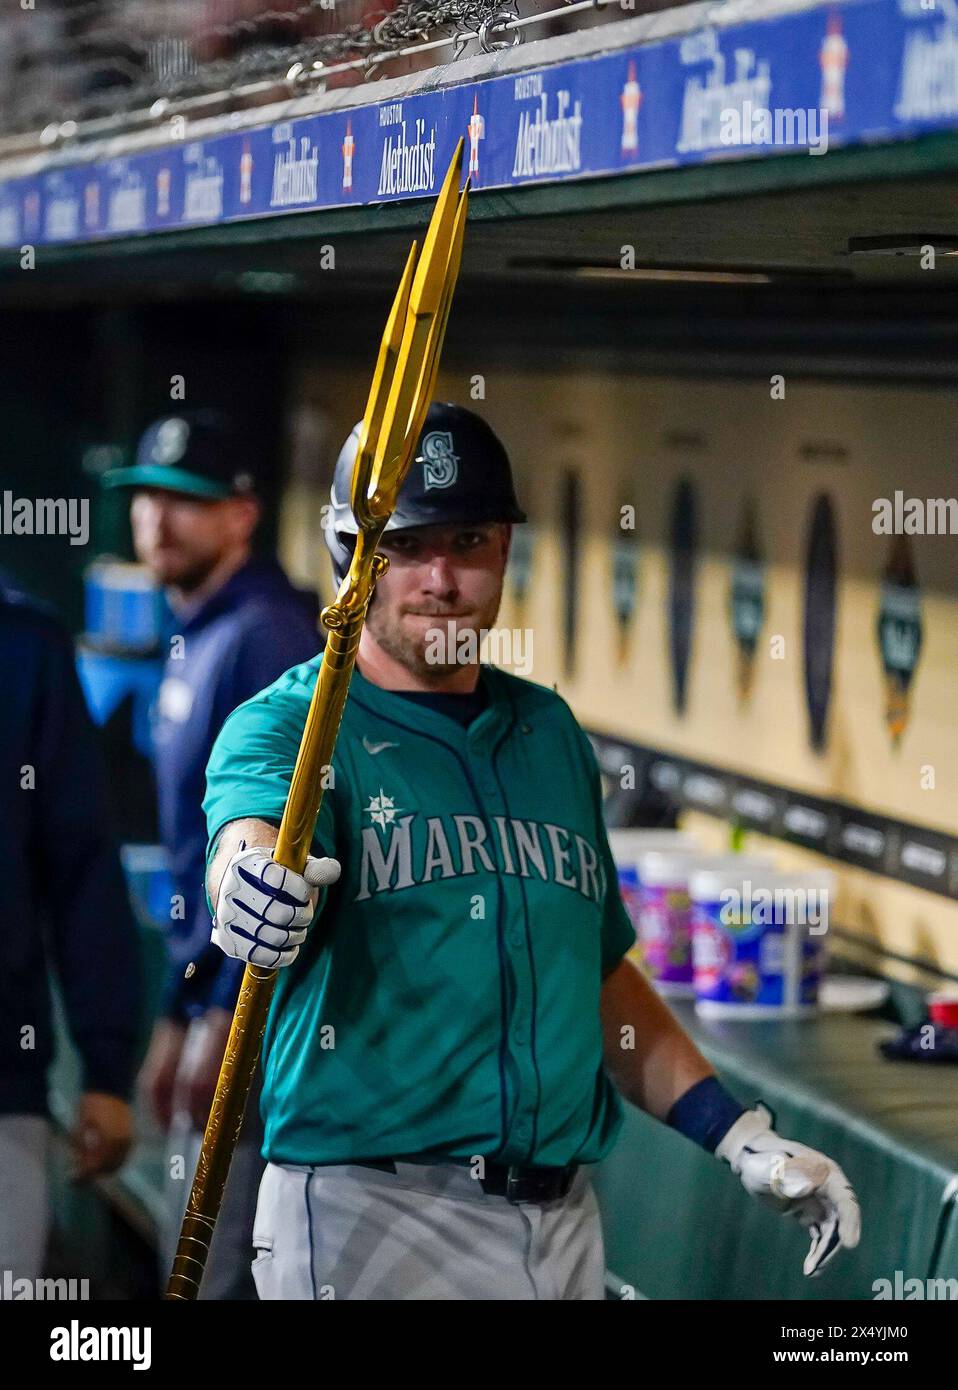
382, 809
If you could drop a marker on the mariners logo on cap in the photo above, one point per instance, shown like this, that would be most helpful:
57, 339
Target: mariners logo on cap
440, 462
169, 446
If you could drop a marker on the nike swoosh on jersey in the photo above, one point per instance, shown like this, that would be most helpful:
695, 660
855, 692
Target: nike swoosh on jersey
375, 748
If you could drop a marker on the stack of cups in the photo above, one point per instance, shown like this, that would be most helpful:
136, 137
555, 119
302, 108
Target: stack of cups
665, 912
629, 850
743, 939
758, 940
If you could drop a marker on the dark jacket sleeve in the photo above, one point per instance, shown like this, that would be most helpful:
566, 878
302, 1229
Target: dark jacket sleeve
262, 651
92, 933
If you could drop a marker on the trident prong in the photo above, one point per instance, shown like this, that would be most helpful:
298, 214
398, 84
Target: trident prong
403, 382
411, 384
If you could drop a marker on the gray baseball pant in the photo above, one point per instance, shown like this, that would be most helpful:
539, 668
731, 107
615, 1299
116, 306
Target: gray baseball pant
227, 1275
425, 1232
24, 1194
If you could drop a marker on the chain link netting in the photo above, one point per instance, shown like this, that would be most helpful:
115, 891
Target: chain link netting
85, 60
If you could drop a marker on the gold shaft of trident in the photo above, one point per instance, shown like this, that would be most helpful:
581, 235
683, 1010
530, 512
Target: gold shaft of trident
403, 383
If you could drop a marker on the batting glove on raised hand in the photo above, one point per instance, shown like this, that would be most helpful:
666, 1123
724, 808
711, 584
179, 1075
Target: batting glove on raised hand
795, 1180
263, 910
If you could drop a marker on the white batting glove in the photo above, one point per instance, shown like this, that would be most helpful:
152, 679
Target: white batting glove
263, 910
795, 1180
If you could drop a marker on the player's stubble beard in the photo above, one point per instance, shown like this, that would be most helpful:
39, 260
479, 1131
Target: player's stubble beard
191, 575
184, 568
410, 649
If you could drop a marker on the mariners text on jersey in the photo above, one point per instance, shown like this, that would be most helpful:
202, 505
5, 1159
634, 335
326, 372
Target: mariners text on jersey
518, 847
446, 1001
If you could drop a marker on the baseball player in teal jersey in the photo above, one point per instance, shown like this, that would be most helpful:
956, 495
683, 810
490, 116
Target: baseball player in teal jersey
449, 1040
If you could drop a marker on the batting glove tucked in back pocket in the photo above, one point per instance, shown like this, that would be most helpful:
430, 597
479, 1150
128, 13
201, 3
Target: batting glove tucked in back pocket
263, 910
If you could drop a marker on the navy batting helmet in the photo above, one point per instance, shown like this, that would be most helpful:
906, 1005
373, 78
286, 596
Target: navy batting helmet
460, 473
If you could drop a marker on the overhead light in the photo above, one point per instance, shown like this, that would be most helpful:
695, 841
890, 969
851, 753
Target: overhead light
612, 270
903, 244
267, 282
701, 277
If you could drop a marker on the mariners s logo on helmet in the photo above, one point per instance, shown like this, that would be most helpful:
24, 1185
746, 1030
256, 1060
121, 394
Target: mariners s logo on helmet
169, 444
440, 462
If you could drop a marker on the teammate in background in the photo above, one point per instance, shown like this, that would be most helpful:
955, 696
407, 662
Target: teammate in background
446, 1045
239, 624
66, 917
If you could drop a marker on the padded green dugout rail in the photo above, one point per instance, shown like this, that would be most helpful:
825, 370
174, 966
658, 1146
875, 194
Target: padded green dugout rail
678, 1224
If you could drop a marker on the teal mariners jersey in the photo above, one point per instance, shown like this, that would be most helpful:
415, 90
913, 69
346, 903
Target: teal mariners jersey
446, 1000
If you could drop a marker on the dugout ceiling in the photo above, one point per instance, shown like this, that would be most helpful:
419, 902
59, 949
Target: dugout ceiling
785, 217
804, 251
737, 251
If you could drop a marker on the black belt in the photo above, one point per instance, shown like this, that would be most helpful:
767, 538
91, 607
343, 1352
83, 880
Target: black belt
524, 1183
517, 1182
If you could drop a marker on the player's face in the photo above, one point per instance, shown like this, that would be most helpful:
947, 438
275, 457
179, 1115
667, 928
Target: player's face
437, 575
182, 539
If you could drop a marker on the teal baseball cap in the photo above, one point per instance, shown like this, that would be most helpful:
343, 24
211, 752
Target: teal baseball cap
198, 452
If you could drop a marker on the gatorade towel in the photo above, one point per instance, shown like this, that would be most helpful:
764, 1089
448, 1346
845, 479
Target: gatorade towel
758, 941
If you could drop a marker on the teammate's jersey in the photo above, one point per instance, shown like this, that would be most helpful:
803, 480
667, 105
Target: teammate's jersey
446, 1000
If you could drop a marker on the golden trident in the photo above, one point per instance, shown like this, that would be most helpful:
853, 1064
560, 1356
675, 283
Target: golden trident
399, 397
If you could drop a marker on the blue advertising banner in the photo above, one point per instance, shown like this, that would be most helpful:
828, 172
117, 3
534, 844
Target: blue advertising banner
849, 73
